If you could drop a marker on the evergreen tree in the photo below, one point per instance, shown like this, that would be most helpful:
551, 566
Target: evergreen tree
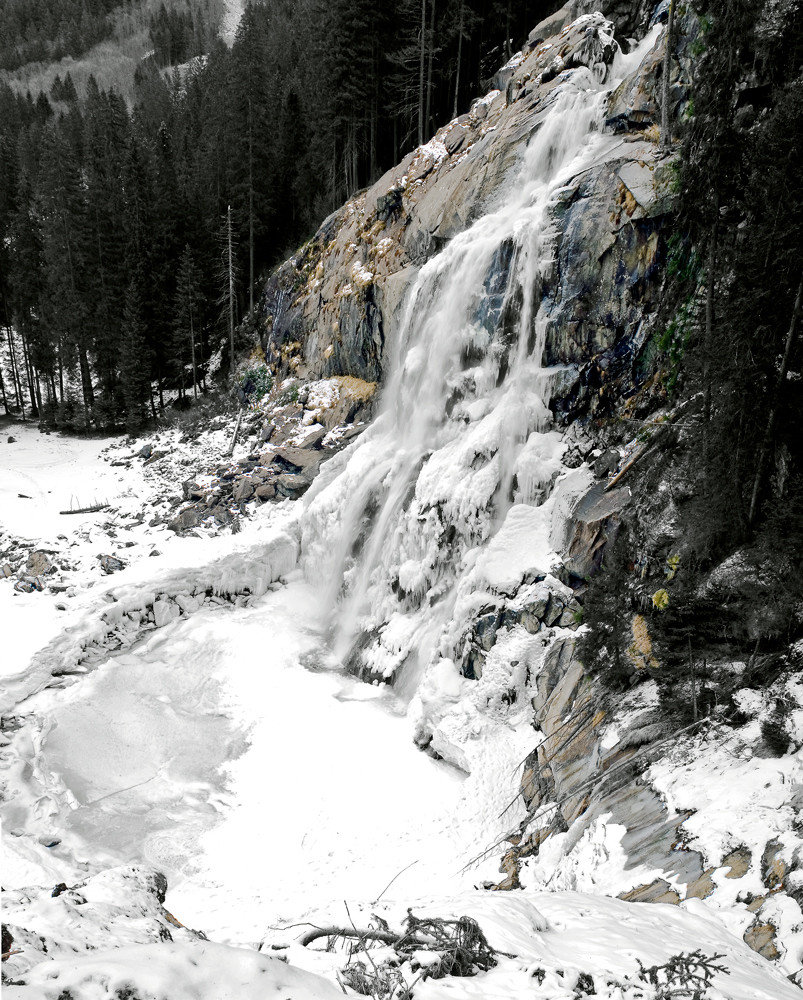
134, 366
187, 316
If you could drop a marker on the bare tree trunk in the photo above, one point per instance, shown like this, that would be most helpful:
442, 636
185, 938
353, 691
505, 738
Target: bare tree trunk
250, 209
666, 137
29, 374
86, 384
421, 73
192, 347
773, 415
15, 372
3, 391
708, 335
459, 58
230, 257
431, 45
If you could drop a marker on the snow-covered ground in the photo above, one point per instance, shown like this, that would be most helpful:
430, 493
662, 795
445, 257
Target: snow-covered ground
184, 713
224, 750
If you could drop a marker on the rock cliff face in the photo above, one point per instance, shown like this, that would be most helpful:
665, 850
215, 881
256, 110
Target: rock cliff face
334, 307
592, 805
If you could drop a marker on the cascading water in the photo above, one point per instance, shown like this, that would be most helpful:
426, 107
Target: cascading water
463, 440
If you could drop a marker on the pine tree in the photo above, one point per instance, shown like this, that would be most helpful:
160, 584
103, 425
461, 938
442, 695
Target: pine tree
134, 366
187, 315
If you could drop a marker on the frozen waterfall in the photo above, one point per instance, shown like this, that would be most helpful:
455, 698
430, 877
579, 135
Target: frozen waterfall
463, 452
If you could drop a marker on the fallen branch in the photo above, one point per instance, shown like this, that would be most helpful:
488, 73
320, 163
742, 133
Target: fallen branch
86, 510
233, 441
385, 937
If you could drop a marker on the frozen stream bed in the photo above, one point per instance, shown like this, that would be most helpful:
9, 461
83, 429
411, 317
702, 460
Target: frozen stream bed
251, 780
224, 749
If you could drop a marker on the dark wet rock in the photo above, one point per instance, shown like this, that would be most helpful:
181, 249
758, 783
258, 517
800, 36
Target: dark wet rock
111, 564
188, 518
243, 489
292, 485
221, 514
485, 629
299, 459
313, 437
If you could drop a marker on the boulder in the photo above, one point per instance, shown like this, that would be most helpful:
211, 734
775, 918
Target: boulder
189, 605
38, 563
221, 514
266, 491
485, 629
243, 489
312, 438
299, 459
164, 611
550, 26
191, 490
761, 938
111, 564
292, 485
187, 519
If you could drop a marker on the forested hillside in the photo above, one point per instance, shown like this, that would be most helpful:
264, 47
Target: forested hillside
115, 221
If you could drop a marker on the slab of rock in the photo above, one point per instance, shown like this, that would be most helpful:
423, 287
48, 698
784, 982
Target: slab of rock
120, 906
222, 515
659, 891
738, 861
300, 458
187, 519
550, 26
761, 938
267, 491
292, 486
313, 437
243, 489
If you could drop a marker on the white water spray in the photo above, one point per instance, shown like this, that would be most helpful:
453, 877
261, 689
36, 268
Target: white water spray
464, 430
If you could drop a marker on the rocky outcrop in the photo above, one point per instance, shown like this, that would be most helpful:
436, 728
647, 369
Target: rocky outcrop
294, 429
118, 907
336, 307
